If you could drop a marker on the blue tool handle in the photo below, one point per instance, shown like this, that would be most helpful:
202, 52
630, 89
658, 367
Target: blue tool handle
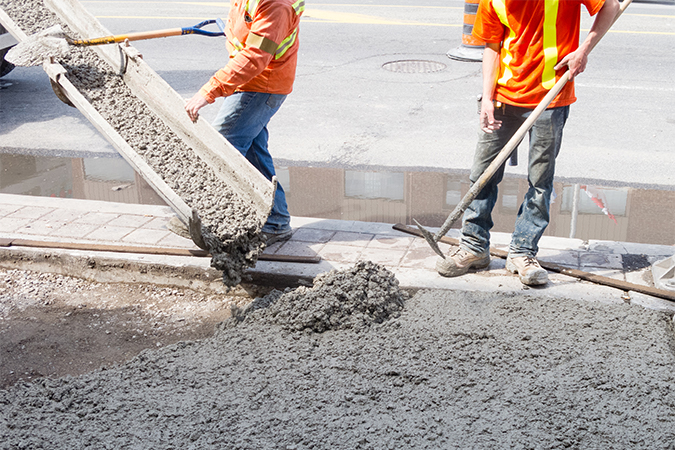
197, 29
220, 24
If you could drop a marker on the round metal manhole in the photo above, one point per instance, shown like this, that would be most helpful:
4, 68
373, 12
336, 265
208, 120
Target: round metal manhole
414, 66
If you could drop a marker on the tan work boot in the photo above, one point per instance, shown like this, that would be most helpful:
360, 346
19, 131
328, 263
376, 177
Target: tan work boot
460, 261
528, 269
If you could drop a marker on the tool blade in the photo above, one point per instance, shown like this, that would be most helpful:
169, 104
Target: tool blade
430, 238
35, 49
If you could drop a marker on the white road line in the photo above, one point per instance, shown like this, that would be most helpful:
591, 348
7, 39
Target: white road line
625, 87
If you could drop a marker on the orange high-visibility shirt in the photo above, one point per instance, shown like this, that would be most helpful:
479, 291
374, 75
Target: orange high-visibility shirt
263, 46
535, 36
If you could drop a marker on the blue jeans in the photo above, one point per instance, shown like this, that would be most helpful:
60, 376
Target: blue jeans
533, 214
243, 120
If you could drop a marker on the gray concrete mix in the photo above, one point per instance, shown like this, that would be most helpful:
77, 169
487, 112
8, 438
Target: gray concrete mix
36, 48
448, 370
231, 228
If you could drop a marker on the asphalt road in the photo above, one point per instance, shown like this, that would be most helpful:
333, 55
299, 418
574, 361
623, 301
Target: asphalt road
348, 110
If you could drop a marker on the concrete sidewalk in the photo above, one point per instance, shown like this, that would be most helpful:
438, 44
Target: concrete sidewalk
339, 244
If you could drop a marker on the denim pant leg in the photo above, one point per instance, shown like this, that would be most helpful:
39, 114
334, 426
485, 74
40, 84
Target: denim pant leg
279, 219
533, 214
243, 120
477, 220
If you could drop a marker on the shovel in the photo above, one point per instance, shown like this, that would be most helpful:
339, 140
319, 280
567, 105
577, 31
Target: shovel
54, 42
502, 156
142, 35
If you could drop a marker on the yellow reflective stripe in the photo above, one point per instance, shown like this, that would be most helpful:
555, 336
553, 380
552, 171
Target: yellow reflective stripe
238, 46
286, 44
236, 43
550, 43
264, 44
251, 5
500, 9
299, 7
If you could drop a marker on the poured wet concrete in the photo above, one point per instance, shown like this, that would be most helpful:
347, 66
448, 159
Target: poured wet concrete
448, 370
347, 362
54, 325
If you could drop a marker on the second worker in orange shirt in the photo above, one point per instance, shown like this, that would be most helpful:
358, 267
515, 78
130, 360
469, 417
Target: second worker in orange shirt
529, 46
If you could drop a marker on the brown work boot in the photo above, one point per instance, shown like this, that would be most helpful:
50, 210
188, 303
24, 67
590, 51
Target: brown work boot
528, 269
460, 261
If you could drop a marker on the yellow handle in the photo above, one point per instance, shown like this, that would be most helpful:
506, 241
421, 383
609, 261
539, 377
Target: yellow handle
131, 36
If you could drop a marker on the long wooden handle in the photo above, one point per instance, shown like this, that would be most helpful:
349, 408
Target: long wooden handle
141, 35
587, 276
504, 154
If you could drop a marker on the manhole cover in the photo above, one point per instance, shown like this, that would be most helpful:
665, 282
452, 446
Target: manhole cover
414, 66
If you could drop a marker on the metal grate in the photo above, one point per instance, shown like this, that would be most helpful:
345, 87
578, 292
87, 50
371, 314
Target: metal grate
414, 66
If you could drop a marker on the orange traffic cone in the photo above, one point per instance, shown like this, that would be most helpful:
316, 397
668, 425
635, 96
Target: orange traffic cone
471, 48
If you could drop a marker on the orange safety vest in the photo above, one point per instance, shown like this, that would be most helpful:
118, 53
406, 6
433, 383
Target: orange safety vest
262, 39
535, 35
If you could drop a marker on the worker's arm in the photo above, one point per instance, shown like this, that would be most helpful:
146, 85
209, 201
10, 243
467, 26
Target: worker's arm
490, 74
577, 60
272, 21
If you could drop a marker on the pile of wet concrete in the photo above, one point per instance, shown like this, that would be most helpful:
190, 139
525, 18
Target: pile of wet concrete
349, 299
231, 228
343, 365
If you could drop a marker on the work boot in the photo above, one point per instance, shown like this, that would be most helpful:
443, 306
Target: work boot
460, 261
271, 238
528, 269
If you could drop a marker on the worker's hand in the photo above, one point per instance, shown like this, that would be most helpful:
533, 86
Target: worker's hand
575, 61
487, 117
193, 106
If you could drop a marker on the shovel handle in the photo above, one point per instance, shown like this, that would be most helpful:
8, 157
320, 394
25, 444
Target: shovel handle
502, 156
142, 35
130, 36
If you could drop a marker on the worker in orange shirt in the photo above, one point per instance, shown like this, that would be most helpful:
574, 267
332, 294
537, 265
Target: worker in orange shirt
262, 40
529, 46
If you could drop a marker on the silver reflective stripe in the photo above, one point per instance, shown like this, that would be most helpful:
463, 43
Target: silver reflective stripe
264, 43
251, 6
299, 7
237, 46
286, 44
